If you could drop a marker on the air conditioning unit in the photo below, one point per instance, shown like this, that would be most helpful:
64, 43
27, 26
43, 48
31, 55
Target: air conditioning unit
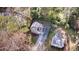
58, 41
37, 28
41, 28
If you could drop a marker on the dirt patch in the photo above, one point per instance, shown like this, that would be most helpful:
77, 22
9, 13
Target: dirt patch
14, 41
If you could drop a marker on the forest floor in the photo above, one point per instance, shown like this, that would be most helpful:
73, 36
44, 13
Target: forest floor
14, 41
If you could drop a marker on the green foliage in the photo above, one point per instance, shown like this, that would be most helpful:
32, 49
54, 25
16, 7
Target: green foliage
24, 29
54, 15
73, 19
10, 24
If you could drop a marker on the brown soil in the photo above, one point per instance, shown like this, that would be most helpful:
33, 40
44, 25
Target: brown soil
14, 41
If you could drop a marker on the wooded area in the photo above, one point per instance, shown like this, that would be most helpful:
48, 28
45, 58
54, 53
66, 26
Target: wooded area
18, 34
